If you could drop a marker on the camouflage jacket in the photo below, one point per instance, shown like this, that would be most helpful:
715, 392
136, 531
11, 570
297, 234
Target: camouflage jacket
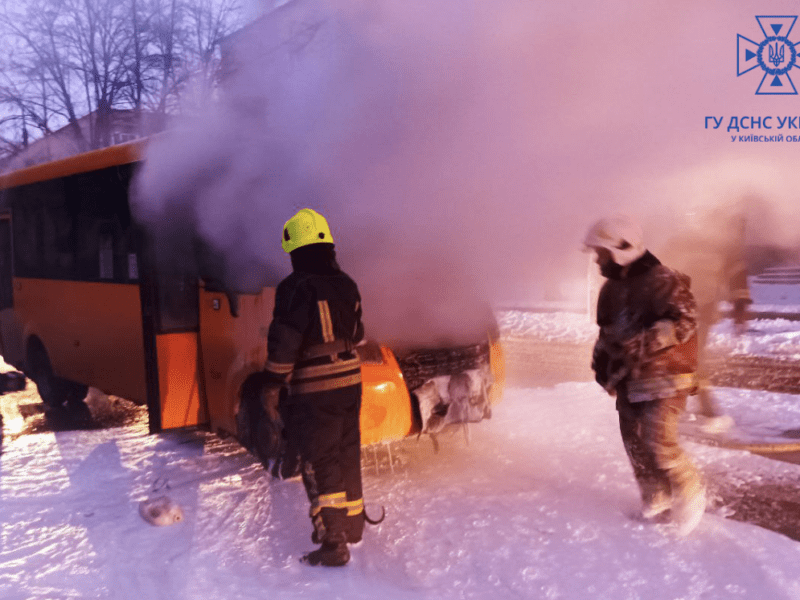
648, 332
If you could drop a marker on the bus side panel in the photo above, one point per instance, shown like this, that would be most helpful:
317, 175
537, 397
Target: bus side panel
233, 348
178, 381
12, 346
92, 331
386, 412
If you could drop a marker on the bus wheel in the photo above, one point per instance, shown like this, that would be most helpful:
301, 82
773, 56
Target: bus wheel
72, 393
54, 391
37, 367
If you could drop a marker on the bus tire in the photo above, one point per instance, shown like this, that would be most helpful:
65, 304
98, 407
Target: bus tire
38, 369
71, 392
54, 391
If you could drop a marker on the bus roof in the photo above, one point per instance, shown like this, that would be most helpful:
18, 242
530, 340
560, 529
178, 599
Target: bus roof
120, 154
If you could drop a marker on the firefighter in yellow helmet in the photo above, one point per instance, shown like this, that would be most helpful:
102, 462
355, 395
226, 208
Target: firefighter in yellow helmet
315, 326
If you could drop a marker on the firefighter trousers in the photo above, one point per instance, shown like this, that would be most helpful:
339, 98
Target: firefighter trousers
329, 438
650, 436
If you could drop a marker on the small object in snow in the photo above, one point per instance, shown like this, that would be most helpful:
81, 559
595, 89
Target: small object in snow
160, 511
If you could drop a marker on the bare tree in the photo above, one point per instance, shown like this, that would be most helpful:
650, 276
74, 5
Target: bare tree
208, 22
71, 58
35, 33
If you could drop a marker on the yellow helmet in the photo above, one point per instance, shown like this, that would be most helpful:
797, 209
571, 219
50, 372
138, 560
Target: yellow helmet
305, 228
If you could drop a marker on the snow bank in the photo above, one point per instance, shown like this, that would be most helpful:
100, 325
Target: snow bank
779, 338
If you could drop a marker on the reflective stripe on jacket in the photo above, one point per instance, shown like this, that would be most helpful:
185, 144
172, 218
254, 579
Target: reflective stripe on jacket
315, 325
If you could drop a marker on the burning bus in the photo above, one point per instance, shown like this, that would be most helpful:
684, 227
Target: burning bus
85, 301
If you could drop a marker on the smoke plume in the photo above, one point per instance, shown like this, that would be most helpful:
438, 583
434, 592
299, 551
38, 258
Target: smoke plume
459, 150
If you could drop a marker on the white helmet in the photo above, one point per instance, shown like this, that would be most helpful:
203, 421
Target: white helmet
620, 235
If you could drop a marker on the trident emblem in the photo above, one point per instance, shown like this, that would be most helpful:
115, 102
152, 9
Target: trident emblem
776, 54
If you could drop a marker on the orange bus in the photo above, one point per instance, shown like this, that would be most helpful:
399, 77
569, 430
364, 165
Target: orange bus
84, 302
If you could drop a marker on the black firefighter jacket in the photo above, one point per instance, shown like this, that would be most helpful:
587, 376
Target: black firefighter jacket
648, 332
315, 326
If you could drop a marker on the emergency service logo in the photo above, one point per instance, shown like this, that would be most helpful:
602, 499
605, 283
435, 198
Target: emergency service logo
776, 55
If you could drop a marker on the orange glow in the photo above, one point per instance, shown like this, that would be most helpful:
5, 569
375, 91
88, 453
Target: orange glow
178, 380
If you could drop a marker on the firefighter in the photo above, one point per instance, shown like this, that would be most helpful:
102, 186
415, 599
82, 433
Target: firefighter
315, 327
646, 356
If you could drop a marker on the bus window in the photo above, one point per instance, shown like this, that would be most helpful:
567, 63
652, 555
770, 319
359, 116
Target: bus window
57, 229
27, 232
105, 236
133, 266
177, 301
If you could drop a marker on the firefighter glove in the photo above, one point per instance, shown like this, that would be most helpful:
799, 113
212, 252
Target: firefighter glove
270, 399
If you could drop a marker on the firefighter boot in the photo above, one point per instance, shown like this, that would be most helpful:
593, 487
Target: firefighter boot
353, 527
329, 528
332, 553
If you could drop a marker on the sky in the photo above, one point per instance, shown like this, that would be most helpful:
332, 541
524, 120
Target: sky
460, 150
537, 502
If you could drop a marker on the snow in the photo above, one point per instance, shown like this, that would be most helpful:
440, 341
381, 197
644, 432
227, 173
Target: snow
538, 502
568, 327
776, 338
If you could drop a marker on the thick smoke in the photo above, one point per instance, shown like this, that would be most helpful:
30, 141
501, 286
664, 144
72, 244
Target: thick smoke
460, 149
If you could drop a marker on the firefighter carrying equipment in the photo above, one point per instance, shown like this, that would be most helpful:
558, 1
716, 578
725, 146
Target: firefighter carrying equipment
316, 323
305, 228
620, 235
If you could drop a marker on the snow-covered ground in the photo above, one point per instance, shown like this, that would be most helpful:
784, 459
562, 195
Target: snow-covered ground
538, 502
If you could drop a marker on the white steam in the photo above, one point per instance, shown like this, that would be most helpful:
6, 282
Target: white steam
459, 149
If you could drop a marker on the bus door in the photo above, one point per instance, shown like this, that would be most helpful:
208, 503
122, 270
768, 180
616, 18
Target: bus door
170, 325
233, 341
10, 329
